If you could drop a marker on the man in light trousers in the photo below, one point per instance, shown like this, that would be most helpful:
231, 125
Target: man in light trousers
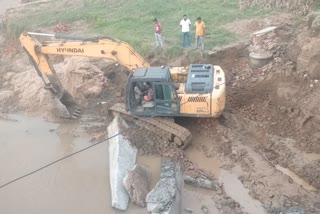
199, 27
157, 33
185, 24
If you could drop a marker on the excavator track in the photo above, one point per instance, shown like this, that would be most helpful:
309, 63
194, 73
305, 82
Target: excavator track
161, 126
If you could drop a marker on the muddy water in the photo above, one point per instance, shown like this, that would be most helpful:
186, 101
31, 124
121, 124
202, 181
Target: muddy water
209, 164
235, 189
229, 180
194, 199
152, 164
79, 184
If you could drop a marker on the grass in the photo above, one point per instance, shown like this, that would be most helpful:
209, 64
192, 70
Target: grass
131, 21
317, 5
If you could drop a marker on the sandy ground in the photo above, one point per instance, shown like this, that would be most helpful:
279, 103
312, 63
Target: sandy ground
5, 5
263, 151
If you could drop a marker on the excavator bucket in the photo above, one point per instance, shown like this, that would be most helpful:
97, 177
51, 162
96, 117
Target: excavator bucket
71, 105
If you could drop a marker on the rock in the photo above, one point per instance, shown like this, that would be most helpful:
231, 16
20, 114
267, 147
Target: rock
291, 210
137, 184
309, 56
189, 210
219, 191
165, 198
283, 109
315, 26
310, 18
93, 91
317, 135
122, 157
290, 180
8, 76
81, 78
295, 113
5, 95
219, 206
201, 182
26, 1
204, 209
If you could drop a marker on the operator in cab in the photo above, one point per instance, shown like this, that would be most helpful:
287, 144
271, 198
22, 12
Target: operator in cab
149, 93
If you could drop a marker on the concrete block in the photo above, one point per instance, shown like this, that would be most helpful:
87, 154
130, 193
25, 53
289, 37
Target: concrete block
122, 157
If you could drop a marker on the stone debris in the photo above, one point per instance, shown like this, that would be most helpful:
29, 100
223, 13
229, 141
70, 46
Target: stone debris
137, 184
166, 197
290, 210
122, 157
201, 182
189, 210
204, 209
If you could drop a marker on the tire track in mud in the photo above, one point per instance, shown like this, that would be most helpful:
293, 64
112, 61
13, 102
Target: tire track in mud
266, 152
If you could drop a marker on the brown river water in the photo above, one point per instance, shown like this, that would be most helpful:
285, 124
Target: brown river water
79, 184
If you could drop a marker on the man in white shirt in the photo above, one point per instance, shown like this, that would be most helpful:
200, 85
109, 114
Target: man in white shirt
185, 25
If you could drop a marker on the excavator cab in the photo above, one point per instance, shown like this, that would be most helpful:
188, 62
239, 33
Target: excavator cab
151, 92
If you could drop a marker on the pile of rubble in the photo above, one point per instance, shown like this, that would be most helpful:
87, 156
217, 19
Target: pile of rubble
132, 181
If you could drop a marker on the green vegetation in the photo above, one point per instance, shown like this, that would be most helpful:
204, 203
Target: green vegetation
131, 21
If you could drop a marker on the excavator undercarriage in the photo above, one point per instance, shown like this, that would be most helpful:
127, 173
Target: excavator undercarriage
161, 126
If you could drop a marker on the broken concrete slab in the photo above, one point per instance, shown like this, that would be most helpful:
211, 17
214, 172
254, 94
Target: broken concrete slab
166, 197
122, 157
161, 197
137, 184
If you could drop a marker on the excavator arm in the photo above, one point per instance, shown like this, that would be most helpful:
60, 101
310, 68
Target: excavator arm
74, 46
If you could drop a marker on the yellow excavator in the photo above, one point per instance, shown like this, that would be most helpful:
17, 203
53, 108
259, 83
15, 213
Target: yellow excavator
152, 94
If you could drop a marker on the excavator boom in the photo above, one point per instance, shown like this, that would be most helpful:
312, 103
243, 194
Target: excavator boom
74, 46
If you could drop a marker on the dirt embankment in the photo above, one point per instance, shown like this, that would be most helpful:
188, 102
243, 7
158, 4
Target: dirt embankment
271, 119
300, 7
